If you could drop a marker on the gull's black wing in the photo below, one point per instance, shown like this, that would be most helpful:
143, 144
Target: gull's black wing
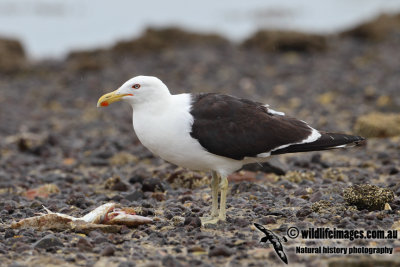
236, 128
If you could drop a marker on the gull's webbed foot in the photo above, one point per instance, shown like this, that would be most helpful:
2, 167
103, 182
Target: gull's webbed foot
209, 220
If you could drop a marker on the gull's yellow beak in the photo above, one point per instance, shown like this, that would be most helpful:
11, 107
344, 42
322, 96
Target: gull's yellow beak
109, 98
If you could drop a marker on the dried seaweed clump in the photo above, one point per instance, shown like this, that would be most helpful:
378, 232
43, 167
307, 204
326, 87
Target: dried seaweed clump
284, 41
325, 206
185, 179
334, 174
370, 197
378, 124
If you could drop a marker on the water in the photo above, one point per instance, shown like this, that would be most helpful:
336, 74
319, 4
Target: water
52, 28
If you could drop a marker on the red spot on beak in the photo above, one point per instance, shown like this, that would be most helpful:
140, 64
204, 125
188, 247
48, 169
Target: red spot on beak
130, 94
104, 104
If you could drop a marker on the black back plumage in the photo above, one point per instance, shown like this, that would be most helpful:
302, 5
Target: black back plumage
236, 128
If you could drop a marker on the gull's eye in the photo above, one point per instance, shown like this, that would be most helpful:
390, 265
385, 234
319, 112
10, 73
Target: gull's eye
136, 86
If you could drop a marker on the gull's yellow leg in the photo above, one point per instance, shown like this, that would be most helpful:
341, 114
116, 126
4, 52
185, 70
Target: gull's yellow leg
214, 194
222, 204
223, 186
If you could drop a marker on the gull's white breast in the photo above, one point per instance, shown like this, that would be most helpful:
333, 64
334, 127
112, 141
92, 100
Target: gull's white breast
164, 128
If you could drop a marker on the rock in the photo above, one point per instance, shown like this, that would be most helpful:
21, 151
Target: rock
241, 187
362, 262
135, 196
9, 233
12, 55
304, 212
170, 261
161, 39
283, 41
177, 220
268, 220
316, 197
316, 158
84, 245
115, 183
153, 185
108, 251
377, 124
195, 222
87, 60
220, 251
300, 192
47, 242
123, 158
366, 196
127, 264
375, 30
159, 196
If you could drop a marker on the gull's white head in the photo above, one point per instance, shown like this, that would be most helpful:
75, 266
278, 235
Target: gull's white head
140, 89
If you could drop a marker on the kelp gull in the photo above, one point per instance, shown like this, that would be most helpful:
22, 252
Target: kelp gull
214, 132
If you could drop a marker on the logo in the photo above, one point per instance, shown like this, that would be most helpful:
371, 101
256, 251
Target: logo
275, 241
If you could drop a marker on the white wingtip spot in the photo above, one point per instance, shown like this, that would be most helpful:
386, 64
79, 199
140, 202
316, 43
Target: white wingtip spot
274, 112
263, 155
312, 137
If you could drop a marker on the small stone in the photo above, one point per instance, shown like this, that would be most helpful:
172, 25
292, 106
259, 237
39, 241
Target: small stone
170, 261
115, 183
9, 233
107, 251
49, 241
303, 212
100, 239
316, 197
268, 220
159, 196
220, 251
300, 192
123, 158
192, 221
387, 207
153, 185
84, 245
176, 220
135, 196
126, 264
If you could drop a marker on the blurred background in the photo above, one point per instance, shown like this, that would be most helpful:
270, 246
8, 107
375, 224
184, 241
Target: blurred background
52, 28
